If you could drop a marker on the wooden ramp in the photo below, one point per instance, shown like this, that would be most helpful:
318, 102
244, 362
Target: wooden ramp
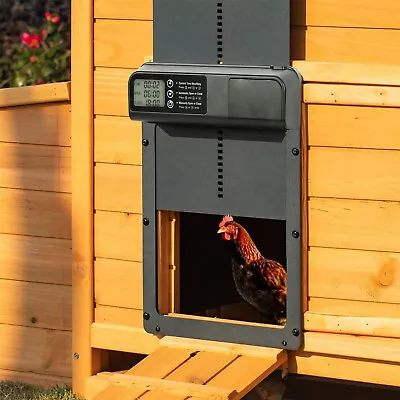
189, 369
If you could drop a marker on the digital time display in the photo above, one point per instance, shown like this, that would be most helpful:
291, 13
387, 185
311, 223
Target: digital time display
149, 93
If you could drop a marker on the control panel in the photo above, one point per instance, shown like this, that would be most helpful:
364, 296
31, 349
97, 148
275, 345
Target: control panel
212, 95
170, 93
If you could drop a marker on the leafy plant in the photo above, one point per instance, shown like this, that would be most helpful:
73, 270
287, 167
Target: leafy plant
43, 55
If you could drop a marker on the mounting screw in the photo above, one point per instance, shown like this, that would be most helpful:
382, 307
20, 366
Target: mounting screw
146, 316
145, 142
76, 356
146, 221
158, 329
33, 320
295, 151
295, 234
296, 332
284, 343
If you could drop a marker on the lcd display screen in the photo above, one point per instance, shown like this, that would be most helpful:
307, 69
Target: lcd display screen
149, 93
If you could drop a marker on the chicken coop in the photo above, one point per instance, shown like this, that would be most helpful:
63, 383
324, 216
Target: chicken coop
35, 234
280, 116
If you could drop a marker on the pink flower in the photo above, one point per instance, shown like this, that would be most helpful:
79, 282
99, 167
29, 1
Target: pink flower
47, 15
32, 59
32, 40
55, 20
35, 41
25, 38
44, 33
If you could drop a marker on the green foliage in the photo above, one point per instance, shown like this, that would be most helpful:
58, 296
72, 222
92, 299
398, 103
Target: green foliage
19, 391
42, 56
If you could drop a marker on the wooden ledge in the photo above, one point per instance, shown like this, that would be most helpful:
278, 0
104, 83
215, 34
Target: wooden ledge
122, 338
347, 73
220, 347
46, 93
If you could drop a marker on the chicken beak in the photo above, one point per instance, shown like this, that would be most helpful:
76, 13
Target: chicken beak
221, 230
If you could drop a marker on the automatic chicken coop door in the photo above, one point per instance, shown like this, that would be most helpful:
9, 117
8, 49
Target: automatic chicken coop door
221, 136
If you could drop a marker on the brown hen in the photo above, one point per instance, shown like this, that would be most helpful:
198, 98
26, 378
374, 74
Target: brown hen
259, 281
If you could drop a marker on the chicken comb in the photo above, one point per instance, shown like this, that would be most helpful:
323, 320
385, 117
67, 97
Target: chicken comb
226, 219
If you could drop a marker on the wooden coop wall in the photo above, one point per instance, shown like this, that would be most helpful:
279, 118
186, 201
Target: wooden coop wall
118, 26
35, 234
347, 51
353, 310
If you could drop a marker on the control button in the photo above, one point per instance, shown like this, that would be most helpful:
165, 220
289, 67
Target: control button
170, 94
170, 103
170, 83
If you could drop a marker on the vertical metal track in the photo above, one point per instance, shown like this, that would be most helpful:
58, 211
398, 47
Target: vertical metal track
220, 34
220, 163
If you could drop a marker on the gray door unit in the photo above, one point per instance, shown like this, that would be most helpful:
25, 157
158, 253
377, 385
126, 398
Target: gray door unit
221, 135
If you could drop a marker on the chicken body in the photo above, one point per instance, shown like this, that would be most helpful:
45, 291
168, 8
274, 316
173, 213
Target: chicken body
259, 281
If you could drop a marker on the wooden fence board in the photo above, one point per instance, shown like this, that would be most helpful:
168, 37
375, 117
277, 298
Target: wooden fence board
369, 46
35, 94
26, 212
353, 95
35, 259
42, 351
346, 13
122, 338
38, 305
113, 38
46, 124
124, 9
354, 174
34, 379
352, 126
349, 73
117, 140
354, 275
118, 283
25, 166
110, 91
354, 224
370, 348
366, 326
344, 368
312, 43
119, 316
112, 179
118, 235
356, 95
352, 308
